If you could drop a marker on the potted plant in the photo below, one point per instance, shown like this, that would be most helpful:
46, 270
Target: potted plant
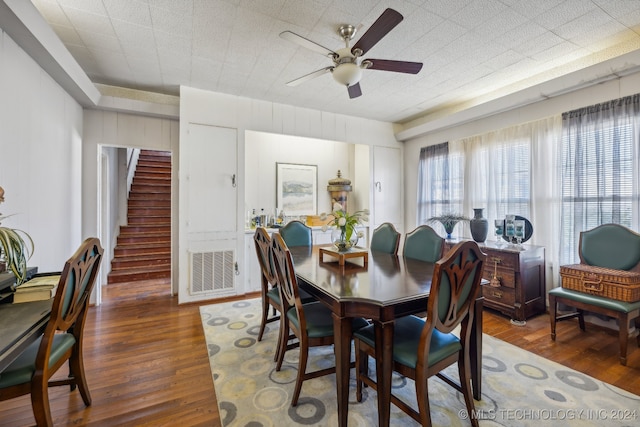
16, 247
344, 234
448, 221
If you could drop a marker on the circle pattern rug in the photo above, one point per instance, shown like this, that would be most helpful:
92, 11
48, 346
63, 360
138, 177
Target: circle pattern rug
519, 388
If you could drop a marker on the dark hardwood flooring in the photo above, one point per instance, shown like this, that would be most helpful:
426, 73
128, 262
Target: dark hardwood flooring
147, 363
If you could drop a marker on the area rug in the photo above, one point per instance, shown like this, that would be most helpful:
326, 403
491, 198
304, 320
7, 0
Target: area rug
518, 387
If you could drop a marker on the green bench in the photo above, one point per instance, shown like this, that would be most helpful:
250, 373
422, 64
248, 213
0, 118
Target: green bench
610, 246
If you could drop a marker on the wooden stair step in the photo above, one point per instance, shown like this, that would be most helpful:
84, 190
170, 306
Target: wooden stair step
152, 203
154, 168
151, 187
144, 158
139, 250
139, 274
161, 220
152, 180
149, 211
153, 158
154, 153
153, 163
125, 263
144, 151
150, 196
154, 173
128, 239
145, 228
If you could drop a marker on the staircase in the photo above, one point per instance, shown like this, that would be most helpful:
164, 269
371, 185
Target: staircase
143, 248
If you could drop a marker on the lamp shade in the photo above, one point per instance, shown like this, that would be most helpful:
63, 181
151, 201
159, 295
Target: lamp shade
347, 74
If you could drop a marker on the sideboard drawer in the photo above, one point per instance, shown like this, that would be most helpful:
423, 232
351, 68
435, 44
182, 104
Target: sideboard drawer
507, 277
502, 295
504, 259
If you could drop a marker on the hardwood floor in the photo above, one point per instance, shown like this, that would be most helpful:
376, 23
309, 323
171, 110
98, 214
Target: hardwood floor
147, 363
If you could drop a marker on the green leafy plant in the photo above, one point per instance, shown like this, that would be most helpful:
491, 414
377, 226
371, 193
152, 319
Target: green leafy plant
346, 222
16, 247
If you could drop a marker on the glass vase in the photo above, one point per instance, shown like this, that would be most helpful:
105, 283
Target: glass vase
340, 241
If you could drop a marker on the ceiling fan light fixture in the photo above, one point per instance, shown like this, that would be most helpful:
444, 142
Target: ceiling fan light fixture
347, 74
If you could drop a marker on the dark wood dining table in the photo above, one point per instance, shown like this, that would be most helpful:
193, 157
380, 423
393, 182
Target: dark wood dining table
20, 325
383, 289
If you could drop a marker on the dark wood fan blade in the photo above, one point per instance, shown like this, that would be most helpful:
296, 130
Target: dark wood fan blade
385, 23
304, 42
397, 66
354, 90
309, 76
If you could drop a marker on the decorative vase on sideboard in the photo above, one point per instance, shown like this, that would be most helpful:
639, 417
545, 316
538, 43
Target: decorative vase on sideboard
479, 225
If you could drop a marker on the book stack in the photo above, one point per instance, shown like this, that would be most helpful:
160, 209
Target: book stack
37, 289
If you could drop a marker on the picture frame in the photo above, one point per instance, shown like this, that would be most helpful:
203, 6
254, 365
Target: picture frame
297, 188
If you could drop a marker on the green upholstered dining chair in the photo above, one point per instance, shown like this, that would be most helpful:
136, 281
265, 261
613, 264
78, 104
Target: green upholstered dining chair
423, 244
424, 347
610, 246
310, 323
269, 292
31, 372
385, 238
296, 233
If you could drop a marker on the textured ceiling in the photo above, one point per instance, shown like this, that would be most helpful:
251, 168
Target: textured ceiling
471, 50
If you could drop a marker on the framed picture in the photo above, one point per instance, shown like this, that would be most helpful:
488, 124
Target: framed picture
297, 189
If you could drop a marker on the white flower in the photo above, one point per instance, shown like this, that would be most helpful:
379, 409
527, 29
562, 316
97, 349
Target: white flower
342, 221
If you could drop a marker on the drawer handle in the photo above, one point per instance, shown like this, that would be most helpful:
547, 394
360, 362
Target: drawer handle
496, 294
496, 259
495, 280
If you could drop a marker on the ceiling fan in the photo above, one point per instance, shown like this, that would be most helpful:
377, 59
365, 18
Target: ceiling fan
348, 62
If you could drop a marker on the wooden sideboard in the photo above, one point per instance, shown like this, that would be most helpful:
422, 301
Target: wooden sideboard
521, 293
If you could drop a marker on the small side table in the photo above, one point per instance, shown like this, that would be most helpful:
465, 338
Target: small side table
343, 256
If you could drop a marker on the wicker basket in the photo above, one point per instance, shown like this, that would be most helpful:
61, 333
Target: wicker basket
615, 284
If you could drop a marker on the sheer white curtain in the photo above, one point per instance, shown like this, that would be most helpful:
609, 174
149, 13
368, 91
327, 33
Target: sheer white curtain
512, 171
599, 177
440, 183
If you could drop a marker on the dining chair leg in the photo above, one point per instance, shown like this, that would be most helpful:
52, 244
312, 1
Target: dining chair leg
40, 403
284, 338
422, 396
302, 369
265, 314
362, 361
464, 373
279, 348
77, 367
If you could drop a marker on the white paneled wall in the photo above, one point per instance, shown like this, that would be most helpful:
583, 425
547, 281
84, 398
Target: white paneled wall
283, 122
40, 157
264, 150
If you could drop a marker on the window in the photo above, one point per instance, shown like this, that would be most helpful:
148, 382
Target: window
441, 184
491, 171
599, 170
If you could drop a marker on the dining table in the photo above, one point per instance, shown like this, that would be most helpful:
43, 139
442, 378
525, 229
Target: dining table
383, 289
22, 324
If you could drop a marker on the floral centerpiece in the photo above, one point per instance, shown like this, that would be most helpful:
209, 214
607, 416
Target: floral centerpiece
345, 235
448, 221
